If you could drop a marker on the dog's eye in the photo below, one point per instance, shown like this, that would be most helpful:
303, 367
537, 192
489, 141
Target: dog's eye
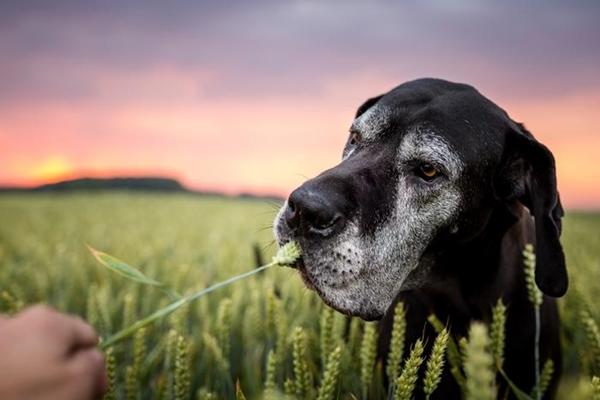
427, 172
354, 138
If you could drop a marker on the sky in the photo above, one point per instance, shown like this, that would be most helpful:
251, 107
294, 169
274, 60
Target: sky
256, 96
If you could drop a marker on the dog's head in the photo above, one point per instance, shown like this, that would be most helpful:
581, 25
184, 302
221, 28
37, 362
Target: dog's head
424, 163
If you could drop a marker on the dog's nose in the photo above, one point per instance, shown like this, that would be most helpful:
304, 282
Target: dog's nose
312, 211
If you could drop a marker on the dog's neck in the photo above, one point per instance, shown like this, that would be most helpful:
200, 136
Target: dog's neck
489, 266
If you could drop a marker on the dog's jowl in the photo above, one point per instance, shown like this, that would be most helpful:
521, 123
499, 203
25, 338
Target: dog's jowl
437, 193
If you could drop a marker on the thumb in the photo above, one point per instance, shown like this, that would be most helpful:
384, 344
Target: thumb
88, 374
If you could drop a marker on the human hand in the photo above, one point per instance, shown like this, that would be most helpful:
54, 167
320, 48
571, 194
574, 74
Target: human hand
48, 355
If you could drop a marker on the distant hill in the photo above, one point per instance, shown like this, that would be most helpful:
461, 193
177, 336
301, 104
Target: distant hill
151, 184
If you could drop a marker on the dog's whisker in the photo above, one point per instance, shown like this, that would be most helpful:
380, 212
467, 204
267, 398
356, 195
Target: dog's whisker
266, 246
264, 228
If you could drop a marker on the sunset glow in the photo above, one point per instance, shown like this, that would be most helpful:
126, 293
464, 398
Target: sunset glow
51, 169
257, 99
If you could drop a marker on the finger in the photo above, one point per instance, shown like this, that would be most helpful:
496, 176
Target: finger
70, 332
88, 374
82, 334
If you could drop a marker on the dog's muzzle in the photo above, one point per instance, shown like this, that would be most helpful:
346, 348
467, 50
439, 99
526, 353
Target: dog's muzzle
315, 211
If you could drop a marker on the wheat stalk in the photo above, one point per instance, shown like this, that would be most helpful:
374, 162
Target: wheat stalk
111, 374
455, 359
535, 297
92, 314
302, 382
593, 338
326, 334
479, 365
330, 376
405, 383
270, 381
212, 346
497, 332
396, 342
289, 388
545, 378
12, 305
205, 394
170, 356
131, 383
224, 326
182, 367
139, 351
368, 350
239, 394
353, 343
128, 310
533, 292
435, 364
596, 388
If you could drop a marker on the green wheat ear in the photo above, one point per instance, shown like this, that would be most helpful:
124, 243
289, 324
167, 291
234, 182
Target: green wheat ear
368, 352
301, 372
182, 369
533, 292
326, 334
435, 364
593, 337
396, 342
132, 384
405, 383
545, 378
239, 394
330, 376
270, 380
497, 331
111, 373
596, 388
455, 358
11, 305
224, 320
288, 254
479, 364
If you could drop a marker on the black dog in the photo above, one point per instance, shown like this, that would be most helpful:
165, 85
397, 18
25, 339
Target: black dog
432, 205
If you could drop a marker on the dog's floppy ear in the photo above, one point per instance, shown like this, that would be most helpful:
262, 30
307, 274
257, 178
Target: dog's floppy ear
366, 105
528, 174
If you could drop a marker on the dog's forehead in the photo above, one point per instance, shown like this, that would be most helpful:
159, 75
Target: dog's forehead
372, 122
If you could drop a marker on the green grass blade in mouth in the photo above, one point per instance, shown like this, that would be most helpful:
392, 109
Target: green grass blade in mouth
163, 312
286, 255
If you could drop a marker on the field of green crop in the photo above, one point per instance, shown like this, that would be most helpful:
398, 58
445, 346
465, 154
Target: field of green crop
267, 334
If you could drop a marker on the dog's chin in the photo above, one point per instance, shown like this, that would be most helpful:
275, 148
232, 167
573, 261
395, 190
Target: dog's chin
367, 314
338, 303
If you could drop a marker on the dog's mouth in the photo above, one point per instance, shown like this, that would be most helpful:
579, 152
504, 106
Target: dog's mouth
304, 274
315, 284
333, 271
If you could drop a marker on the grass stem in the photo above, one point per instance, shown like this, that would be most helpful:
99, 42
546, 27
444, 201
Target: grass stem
163, 312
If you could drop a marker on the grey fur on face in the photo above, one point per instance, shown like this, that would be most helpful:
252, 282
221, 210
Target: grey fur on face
361, 274
372, 122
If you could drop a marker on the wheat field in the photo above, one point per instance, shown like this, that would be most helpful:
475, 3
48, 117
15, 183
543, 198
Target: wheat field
264, 337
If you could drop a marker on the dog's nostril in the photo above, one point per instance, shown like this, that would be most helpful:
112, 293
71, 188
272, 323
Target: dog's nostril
313, 212
291, 214
291, 206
